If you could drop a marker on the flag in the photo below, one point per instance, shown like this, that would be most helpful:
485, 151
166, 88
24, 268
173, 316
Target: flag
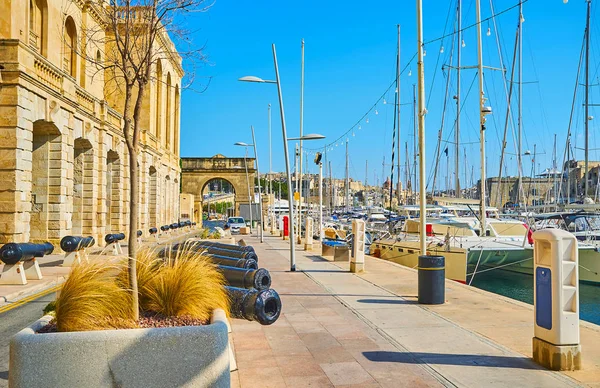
446, 151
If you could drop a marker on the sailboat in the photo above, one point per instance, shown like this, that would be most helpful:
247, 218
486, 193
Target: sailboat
480, 239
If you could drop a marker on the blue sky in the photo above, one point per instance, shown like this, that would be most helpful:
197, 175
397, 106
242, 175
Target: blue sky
350, 50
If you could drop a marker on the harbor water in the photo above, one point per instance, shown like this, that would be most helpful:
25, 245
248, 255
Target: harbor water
520, 287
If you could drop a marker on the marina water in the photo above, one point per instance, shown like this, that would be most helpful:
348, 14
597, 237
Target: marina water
520, 287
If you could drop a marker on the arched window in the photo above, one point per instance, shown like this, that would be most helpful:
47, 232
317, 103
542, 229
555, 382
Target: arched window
69, 48
169, 115
98, 59
176, 119
159, 81
38, 10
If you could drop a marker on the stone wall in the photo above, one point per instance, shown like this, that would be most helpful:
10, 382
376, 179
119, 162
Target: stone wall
64, 165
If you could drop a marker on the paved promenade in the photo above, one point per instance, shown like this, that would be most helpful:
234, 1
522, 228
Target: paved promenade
340, 329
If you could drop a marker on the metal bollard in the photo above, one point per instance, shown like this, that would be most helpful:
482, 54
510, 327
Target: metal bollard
432, 279
556, 342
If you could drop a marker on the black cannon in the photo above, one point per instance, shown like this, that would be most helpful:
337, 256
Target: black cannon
182, 224
246, 278
217, 259
153, 230
174, 225
12, 253
229, 253
114, 237
76, 243
263, 306
164, 228
139, 233
193, 224
231, 247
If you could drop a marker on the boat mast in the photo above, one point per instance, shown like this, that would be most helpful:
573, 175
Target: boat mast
407, 171
415, 121
481, 118
457, 192
421, 117
398, 113
520, 107
347, 181
587, 87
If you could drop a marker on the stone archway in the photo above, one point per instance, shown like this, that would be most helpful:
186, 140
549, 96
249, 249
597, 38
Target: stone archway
197, 172
218, 190
113, 191
46, 165
83, 173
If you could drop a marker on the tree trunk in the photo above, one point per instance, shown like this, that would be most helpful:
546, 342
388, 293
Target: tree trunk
133, 218
133, 225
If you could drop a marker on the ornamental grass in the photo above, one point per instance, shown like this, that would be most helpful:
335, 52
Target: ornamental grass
186, 285
91, 299
96, 295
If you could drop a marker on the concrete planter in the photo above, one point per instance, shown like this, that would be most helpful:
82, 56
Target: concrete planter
190, 356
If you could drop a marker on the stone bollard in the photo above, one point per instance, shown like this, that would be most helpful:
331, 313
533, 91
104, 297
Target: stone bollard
308, 239
556, 343
273, 224
357, 259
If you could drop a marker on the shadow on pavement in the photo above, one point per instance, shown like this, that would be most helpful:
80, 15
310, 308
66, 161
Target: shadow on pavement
4, 375
388, 301
452, 359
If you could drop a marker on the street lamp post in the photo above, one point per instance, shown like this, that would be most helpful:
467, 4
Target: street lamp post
260, 208
250, 194
285, 149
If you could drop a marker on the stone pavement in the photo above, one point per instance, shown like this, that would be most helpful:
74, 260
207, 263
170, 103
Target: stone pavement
340, 329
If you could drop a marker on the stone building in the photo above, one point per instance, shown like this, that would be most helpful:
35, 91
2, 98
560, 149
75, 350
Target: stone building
63, 160
536, 191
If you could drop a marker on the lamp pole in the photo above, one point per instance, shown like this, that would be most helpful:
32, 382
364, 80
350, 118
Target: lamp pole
301, 128
287, 162
320, 201
250, 195
260, 208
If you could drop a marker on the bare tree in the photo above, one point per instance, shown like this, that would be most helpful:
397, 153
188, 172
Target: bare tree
133, 36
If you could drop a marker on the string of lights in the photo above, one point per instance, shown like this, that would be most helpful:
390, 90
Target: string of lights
357, 126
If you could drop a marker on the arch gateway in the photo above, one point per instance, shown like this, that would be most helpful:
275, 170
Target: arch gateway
197, 172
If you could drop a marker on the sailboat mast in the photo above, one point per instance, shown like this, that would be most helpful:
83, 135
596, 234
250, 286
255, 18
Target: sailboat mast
347, 180
421, 118
398, 114
520, 107
481, 118
587, 87
457, 192
415, 120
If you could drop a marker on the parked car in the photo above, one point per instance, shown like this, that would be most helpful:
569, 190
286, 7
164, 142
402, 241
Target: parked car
235, 223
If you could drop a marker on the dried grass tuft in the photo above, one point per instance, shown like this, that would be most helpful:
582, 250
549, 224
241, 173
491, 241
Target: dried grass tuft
186, 285
91, 299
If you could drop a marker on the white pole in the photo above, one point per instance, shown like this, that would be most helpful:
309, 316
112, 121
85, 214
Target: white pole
421, 119
261, 216
287, 163
481, 118
270, 156
320, 201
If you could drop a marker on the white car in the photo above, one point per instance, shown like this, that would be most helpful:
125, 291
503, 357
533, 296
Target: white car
235, 223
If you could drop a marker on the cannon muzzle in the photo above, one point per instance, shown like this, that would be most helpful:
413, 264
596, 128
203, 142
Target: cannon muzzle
139, 233
76, 243
153, 230
262, 306
12, 253
246, 278
113, 237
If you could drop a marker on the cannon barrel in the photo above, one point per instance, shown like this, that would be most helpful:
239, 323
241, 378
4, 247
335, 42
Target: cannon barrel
153, 230
215, 259
230, 253
181, 224
112, 237
231, 247
139, 233
231, 262
76, 243
193, 224
188, 223
174, 225
263, 306
12, 253
246, 278
164, 228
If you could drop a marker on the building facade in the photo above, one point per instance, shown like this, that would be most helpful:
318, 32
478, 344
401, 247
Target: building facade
63, 159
